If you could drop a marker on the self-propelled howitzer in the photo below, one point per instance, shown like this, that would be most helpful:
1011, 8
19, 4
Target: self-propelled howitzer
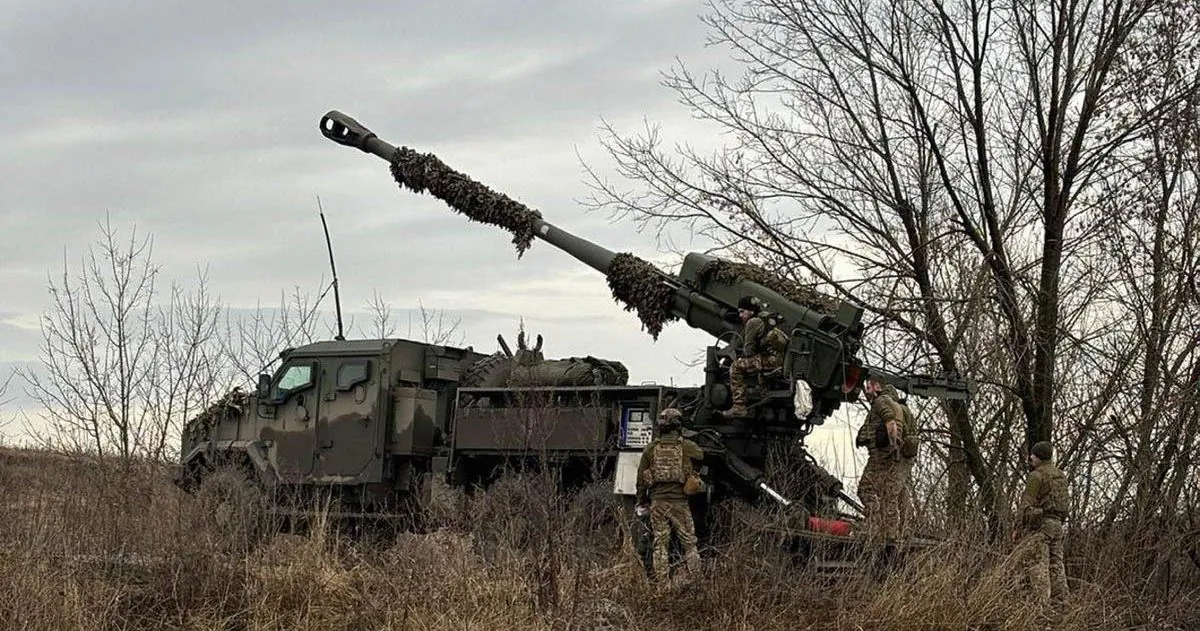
754, 457
824, 334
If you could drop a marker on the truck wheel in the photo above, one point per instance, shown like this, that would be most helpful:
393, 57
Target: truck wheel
492, 370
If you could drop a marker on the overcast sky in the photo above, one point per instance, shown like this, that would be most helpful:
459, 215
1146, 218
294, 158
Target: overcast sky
196, 122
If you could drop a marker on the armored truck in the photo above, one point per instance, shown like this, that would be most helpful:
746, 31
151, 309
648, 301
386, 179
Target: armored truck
364, 423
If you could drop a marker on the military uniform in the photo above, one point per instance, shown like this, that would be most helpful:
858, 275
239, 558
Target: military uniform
1043, 507
881, 486
669, 510
762, 350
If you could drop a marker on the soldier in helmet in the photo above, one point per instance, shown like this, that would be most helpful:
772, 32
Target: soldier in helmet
666, 464
761, 351
881, 487
1039, 528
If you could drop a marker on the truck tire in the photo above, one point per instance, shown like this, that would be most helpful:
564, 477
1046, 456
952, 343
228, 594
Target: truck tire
492, 370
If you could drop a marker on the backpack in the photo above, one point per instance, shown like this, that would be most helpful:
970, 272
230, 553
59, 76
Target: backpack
911, 444
774, 341
666, 464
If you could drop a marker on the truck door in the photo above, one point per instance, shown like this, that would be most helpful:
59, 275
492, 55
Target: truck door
350, 427
292, 431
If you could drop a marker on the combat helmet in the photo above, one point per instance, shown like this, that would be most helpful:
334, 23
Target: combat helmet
669, 418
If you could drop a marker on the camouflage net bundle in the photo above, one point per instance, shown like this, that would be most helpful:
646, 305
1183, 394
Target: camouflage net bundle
639, 285
422, 172
729, 273
571, 371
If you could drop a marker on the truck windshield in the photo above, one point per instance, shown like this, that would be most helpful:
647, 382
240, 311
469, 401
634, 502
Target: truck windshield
294, 378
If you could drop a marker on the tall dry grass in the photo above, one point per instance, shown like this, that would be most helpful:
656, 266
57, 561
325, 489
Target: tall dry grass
92, 545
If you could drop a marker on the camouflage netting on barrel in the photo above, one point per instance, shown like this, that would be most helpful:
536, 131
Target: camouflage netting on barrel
422, 172
638, 284
729, 273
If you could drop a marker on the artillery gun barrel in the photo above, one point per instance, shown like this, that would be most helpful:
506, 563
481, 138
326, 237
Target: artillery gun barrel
656, 296
346, 131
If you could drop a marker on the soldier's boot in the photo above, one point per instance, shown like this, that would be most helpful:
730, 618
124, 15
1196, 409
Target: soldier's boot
737, 389
739, 396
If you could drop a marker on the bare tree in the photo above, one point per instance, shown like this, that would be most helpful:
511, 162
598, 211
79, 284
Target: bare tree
1135, 435
432, 326
4, 388
435, 326
4, 398
118, 371
187, 363
382, 317
926, 159
252, 341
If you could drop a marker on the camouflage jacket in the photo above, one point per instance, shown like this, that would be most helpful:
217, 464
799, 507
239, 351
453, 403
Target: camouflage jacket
666, 490
761, 338
1045, 496
884, 409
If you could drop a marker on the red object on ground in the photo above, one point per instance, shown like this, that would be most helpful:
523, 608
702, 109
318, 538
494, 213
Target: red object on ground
839, 527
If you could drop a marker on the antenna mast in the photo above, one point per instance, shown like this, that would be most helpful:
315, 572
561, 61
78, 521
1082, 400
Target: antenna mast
337, 298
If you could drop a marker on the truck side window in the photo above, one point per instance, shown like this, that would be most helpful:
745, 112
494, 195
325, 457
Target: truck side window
353, 372
294, 379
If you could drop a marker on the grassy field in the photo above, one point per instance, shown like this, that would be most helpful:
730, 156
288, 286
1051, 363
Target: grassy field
90, 545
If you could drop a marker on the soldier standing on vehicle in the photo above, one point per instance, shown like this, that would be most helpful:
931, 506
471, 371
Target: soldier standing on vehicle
880, 487
761, 351
667, 474
1039, 528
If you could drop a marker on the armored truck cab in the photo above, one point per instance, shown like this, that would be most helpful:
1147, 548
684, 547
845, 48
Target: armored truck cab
359, 419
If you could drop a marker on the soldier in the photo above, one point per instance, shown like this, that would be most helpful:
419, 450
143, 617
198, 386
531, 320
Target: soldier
762, 350
1039, 530
880, 487
666, 464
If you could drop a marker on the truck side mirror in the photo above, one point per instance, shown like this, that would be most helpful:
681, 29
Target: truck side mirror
264, 387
